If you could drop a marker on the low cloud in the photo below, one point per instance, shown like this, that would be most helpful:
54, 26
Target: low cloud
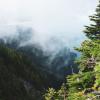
54, 23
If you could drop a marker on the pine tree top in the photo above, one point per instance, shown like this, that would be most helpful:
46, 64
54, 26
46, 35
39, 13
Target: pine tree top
93, 30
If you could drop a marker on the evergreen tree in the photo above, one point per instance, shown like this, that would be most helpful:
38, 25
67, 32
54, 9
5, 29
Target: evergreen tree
86, 84
90, 48
93, 31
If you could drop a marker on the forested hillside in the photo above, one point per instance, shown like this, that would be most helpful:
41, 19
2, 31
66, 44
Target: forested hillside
19, 77
25, 71
86, 84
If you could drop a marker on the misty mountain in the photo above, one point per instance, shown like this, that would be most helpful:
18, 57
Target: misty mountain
21, 78
63, 62
28, 69
57, 61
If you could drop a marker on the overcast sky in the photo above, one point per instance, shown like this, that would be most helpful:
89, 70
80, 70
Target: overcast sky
59, 18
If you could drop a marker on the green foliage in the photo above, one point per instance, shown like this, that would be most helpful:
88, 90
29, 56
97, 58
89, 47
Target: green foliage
97, 75
79, 82
88, 79
85, 85
61, 94
90, 50
76, 96
93, 31
51, 94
